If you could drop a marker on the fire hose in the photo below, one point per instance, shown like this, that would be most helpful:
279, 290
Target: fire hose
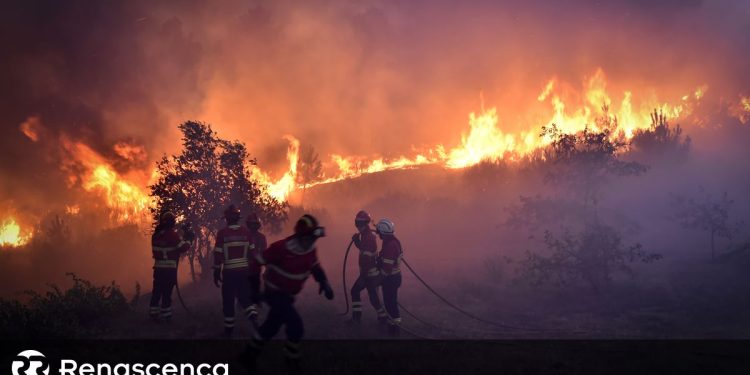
443, 299
346, 292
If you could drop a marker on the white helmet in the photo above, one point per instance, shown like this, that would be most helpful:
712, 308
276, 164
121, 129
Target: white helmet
384, 226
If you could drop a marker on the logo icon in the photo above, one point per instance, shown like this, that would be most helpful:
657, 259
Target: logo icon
30, 362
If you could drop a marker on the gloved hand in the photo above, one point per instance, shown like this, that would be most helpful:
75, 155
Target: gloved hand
217, 277
325, 288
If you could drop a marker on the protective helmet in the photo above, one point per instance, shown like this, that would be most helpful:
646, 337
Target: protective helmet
167, 218
362, 218
252, 220
385, 226
232, 213
307, 225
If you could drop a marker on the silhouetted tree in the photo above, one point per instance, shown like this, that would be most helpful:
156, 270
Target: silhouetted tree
661, 139
585, 162
706, 213
309, 168
198, 184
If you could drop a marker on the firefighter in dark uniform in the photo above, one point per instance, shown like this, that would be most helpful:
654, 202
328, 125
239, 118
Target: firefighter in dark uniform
166, 247
232, 267
389, 260
369, 274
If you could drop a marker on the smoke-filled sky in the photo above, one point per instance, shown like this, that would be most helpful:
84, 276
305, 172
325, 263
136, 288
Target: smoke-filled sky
348, 77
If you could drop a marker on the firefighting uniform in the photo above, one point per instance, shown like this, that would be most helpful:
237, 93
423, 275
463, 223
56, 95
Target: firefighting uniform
232, 251
166, 247
259, 245
369, 275
288, 265
390, 259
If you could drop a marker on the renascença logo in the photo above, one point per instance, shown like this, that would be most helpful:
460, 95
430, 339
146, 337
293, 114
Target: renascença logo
30, 362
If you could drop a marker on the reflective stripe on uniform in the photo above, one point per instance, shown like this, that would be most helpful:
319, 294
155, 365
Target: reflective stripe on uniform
382, 313
231, 266
159, 263
162, 250
229, 322
373, 272
368, 253
357, 306
237, 244
292, 276
389, 261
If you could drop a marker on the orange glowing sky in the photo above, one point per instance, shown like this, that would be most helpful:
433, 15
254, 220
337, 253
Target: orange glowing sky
95, 91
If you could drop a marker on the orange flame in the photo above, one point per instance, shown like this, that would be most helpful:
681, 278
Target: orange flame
485, 140
10, 234
127, 201
281, 189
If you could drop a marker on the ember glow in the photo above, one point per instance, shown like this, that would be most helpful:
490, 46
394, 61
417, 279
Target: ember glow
11, 233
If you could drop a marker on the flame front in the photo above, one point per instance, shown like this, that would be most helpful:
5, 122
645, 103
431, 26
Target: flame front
125, 197
11, 234
485, 140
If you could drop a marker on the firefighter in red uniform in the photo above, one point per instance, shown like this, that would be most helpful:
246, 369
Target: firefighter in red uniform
369, 275
389, 260
233, 247
289, 262
166, 247
259, 245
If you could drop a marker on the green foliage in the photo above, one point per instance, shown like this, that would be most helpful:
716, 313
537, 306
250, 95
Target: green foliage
74, 312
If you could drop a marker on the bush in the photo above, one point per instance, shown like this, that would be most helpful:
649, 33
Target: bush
592, 256
74, 312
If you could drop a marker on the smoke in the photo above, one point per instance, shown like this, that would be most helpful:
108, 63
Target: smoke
350, 78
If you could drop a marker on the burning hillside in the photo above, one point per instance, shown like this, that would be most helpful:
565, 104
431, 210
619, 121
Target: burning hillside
95, 93
124, 195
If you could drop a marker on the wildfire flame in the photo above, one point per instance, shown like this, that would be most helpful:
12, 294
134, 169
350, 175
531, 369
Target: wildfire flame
281, 189
125, 197
10, 234
485, 140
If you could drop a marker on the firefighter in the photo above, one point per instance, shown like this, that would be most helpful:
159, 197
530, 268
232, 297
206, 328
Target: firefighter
232, 268
389, 261
288, 264
166, 247
369, 275
259, 245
